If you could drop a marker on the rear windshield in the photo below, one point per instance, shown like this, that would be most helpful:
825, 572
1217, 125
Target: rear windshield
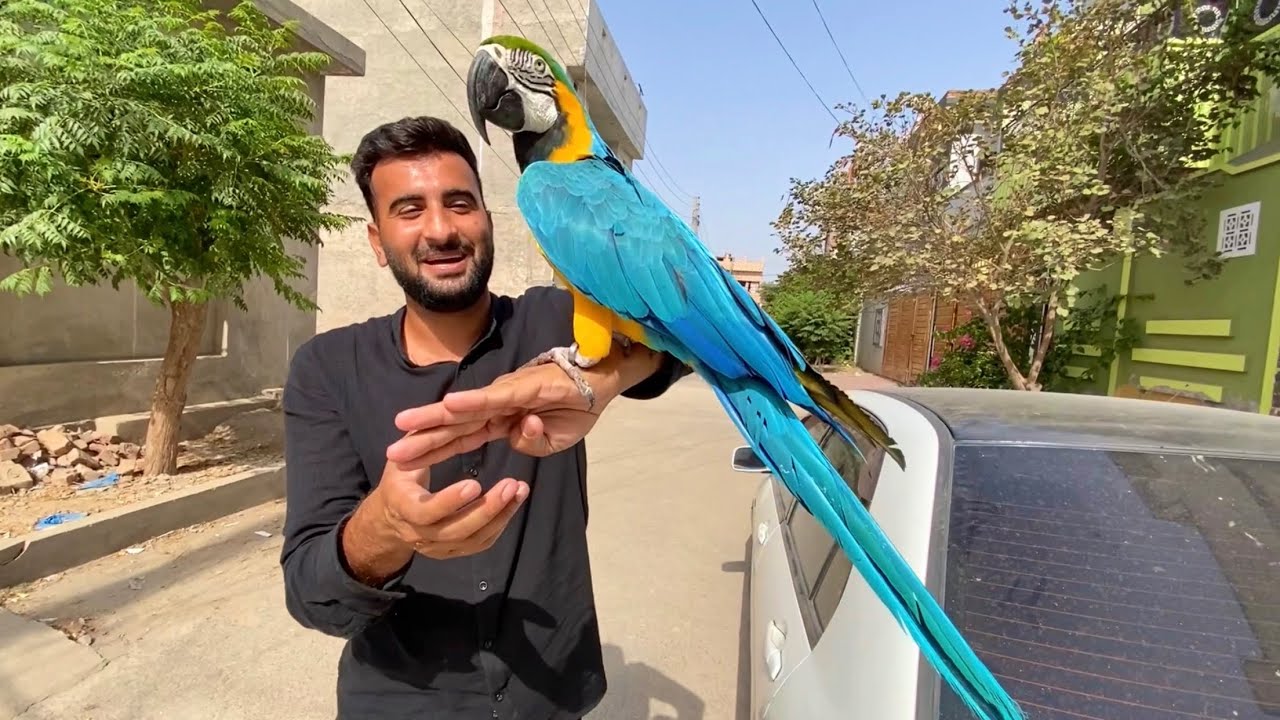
1118, 585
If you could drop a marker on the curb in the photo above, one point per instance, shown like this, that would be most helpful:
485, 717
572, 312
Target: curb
197, 420
39, 554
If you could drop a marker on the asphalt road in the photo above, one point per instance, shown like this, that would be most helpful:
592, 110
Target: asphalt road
194, 626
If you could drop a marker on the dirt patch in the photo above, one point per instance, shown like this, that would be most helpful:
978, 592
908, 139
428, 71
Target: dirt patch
221, 453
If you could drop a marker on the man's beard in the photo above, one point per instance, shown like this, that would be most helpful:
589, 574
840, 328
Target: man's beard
450, 296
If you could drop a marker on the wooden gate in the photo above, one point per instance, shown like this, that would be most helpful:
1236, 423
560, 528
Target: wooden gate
909, 328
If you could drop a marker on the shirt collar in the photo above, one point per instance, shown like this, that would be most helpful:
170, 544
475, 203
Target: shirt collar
499, 312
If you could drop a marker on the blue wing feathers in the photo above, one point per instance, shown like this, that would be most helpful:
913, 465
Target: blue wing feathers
618, 244
587, 217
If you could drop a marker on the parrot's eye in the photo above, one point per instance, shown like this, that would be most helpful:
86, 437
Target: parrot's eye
540, 65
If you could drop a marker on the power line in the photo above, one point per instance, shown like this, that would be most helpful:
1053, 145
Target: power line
793, 61
465, 117
568, 48
512, 18
550, 40
674, 194
840, 52
658, 162
577, 19
436, 47
639, 171
444, 25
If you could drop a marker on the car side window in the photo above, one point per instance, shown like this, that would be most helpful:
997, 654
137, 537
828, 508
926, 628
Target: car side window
821, 567
818, 430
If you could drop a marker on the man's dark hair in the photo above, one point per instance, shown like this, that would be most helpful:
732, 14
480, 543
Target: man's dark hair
408, 137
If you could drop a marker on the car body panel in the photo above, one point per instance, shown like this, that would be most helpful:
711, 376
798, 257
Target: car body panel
862, 665
863, 652
777, 633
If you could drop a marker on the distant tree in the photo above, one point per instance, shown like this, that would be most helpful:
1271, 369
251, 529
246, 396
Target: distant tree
154, 141
819, 320
1092, 147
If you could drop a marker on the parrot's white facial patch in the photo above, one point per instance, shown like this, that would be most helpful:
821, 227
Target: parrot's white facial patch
529, 75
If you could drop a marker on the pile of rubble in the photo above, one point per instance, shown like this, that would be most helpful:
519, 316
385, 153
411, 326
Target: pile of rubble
60, 456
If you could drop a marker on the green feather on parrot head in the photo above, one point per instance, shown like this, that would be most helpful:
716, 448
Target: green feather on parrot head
512, 84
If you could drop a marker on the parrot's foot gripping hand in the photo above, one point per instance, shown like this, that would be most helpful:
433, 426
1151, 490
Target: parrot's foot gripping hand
573, 363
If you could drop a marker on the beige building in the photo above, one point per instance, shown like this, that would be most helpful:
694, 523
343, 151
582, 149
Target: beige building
351, 286
85, 352
748, 273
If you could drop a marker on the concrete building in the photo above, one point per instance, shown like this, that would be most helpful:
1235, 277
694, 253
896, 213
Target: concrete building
90, 351
398, 37
86, 352
748, 273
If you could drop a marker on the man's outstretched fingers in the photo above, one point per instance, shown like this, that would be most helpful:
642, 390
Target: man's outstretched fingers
431, 508
467, 521
422, 449
503, 396
486, 535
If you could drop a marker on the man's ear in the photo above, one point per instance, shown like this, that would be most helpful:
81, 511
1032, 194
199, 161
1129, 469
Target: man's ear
375, 242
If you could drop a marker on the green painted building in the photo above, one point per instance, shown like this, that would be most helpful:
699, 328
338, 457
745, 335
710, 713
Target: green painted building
1217, 341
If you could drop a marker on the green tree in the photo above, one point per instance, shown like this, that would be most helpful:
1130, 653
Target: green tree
158, 142
819, 321
1092, 148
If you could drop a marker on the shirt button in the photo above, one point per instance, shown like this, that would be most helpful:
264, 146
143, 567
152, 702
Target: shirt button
483, 586
487, 644
497, 696
473, 471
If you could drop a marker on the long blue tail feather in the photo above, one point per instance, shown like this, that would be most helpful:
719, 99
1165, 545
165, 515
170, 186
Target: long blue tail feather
786, 447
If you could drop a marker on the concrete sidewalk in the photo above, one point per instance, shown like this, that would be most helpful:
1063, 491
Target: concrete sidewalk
194, 626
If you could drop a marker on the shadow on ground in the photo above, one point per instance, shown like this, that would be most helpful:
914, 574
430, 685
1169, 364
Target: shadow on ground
637, 690
743, 701
634, 688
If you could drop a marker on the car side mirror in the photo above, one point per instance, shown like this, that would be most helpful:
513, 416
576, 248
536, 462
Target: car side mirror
746, 460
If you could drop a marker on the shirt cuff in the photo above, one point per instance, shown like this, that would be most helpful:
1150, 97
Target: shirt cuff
656, 384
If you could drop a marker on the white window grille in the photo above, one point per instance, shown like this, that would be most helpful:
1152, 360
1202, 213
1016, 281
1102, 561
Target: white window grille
877, 329
1238, 230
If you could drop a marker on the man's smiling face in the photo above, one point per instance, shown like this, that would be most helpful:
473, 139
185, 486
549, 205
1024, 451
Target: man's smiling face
431, 228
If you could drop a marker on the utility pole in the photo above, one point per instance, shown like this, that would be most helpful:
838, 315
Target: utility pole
695, 215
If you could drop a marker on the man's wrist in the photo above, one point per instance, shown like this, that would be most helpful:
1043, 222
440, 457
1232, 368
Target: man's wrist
370, 550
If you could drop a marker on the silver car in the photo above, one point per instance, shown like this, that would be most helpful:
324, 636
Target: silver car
1107, 558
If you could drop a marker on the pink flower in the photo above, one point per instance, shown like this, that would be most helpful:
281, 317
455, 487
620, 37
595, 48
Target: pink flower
935, 362
966, 342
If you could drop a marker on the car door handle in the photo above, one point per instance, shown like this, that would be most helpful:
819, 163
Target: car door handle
774, 638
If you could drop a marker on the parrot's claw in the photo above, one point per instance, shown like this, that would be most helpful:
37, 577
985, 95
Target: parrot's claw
572, 362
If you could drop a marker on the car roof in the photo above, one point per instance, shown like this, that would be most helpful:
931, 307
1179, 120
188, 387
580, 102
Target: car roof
1050, 418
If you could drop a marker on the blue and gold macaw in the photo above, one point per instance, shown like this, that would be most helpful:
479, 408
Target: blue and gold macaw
639, 274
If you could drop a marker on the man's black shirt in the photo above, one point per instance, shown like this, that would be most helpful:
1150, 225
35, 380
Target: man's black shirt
508, 633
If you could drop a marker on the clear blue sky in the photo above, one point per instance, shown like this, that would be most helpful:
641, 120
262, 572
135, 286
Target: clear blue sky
732, 121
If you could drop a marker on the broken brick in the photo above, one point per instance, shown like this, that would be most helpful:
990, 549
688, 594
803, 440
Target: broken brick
54, 441
14, 477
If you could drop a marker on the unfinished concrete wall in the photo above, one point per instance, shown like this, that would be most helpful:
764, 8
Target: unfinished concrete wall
400, 67
84, 352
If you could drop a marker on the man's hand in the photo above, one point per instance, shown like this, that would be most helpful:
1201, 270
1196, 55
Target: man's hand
539, 410
401, 517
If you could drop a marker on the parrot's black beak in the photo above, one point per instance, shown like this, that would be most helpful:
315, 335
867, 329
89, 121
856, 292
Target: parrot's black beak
490, 96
